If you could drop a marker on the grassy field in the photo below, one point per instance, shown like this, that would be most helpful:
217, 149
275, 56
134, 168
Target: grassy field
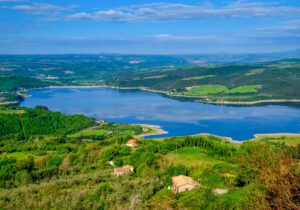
193, 158
221, 89
289, 140
112, 129
89, 132
244, 89
18, 155
255, 71
206, 89
11, 111
155, 77
199, 77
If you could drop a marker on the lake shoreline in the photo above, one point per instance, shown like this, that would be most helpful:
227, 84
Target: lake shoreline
9, 102
194, 98
157, 130
256, 137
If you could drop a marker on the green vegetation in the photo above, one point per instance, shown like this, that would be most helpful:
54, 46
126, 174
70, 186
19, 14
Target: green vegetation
12, 83
11, 111
233, 82
206, 89
40, 122
245, 89
10, 86
254, 72
108, 130
288, 140
200, 77
89, 132
245, 83
54, 165
49, 160
217, 90
192, 158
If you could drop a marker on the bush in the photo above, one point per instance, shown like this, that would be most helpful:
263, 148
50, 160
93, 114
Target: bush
54, 161
8, 170
174, 170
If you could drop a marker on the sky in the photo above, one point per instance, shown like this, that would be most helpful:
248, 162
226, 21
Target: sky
148, 26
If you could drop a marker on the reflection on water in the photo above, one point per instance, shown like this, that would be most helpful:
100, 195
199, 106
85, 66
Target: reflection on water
178, 117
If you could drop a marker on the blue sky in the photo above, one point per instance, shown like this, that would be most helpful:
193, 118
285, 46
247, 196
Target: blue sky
149, 26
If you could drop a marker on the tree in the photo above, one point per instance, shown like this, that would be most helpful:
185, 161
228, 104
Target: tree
41, 107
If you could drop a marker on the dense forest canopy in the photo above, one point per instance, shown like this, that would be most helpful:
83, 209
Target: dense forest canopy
40, 122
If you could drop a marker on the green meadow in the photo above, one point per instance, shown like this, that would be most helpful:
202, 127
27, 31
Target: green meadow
221, 89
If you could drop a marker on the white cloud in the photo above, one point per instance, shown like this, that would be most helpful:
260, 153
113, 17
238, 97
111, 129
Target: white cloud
173, 37
39, 8
284, 29
176, 11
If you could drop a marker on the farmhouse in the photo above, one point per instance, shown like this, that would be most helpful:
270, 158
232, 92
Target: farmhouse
219, 191
123, 170
132, 143
183, 183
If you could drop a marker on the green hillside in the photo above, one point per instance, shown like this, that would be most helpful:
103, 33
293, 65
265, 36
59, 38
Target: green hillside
12, 86
260, 81
62, 164
175, 76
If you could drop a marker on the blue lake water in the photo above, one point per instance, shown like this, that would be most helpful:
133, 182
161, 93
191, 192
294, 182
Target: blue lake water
177, 117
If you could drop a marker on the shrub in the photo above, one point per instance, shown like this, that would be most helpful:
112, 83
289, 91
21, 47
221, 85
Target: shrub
54, 161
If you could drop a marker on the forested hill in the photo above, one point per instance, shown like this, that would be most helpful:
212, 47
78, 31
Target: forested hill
251, 82
11, 87
23, 123
186, 76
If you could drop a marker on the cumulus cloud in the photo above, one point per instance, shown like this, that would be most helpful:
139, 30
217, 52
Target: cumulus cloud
38, 8
176, 11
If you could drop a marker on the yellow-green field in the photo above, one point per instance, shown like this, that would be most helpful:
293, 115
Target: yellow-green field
207, 89
89, 132
290, 141
218, 89
245, 89
12, 111
198, 78
254, 72
18, 155
155, 77
193, 158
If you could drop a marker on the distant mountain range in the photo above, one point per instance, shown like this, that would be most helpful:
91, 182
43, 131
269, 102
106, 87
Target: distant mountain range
222, 58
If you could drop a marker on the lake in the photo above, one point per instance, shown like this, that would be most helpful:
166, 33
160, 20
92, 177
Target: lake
177, 117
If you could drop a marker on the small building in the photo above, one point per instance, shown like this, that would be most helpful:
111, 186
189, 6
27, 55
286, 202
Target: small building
101, 122
219, 191
183, 183
123, 170
132, 143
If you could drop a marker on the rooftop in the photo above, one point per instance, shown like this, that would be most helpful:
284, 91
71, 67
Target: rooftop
124, 169
182, 180
131, 141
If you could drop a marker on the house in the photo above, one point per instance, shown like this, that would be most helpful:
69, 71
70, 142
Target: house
183, 183
132, 143
219, 191
123, 170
